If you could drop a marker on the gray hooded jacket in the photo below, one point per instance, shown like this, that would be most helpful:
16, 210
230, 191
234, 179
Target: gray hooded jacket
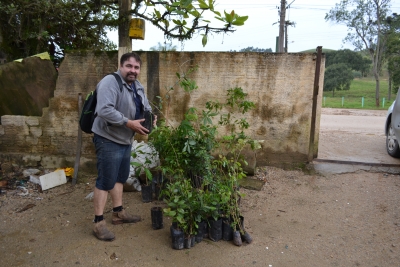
114, 108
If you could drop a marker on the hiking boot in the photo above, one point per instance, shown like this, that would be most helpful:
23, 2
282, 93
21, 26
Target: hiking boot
123, 217
101, 232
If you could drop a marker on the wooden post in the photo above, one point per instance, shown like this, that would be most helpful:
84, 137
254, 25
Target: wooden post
314, 104
78, 143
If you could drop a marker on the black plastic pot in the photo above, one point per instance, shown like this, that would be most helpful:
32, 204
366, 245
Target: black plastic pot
157, 218
200, 231
147, 193
237, 239
227, 230
246, 237
189, 242
177, 237
206, 227
215, 230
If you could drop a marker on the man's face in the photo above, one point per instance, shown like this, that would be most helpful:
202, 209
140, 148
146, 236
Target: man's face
130, 70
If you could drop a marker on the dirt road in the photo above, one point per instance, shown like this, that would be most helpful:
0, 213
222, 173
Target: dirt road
347, 219
354, 135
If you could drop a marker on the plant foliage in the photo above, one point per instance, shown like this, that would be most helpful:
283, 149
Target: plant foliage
203, 176
34, 26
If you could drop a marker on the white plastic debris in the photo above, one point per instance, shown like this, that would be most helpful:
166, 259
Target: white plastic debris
132, 184
53, 179
34, 179
25, 191
90, 196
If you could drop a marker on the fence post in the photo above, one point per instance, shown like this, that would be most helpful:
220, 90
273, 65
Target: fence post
342, 100
324, 100
362, 102
383, 102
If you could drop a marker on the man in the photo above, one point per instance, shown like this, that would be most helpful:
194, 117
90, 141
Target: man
118, 119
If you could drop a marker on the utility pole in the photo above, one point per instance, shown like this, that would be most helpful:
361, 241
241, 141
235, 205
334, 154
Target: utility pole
282, 25
287, 23
124, 42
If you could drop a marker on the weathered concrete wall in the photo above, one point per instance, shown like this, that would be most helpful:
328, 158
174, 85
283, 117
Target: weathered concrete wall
281, 86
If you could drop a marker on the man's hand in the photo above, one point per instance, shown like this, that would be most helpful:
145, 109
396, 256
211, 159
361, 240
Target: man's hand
137, 127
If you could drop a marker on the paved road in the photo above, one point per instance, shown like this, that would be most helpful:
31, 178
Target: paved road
353, 135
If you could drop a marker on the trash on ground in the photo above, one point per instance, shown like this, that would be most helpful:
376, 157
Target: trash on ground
90, 196
34, 179
132, 185
53, 179
68, 171
27, 207
25, 191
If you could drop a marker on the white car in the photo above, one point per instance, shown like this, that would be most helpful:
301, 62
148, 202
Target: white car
392, 129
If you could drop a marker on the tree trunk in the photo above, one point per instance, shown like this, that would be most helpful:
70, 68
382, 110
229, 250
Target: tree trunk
390, 86
377, 90
125, 42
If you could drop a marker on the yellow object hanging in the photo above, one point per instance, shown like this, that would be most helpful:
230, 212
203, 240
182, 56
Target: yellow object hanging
137, 29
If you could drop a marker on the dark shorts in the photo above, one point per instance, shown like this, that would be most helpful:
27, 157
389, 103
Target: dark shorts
113, 162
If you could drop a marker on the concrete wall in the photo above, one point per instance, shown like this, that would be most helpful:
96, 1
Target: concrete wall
281, 86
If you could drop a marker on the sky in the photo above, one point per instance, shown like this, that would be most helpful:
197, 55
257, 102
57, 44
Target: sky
262, 28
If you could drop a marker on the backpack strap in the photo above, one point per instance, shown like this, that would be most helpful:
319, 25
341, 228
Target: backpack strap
118, 78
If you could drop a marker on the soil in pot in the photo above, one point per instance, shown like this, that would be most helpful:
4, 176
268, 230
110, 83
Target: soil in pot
215, 230
178, 238
147, 193
157, 218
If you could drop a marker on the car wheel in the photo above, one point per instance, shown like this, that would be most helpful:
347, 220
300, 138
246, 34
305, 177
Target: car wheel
392, 146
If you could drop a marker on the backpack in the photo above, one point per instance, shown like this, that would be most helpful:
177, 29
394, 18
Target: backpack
89, 106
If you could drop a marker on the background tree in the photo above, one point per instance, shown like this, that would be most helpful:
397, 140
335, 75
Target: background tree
364, 22
337, 77
34, 26
256, 49
392, 53
163, 47
353, 59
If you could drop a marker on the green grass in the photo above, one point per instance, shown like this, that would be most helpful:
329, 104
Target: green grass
359, 88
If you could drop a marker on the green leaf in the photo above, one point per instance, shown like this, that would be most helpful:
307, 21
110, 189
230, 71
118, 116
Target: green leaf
211, 4
202, 4
158, 14
228, 17
239, 21
204, 40
217, 13
136, 164
148, 174
181, 210
177, 22
172, 213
